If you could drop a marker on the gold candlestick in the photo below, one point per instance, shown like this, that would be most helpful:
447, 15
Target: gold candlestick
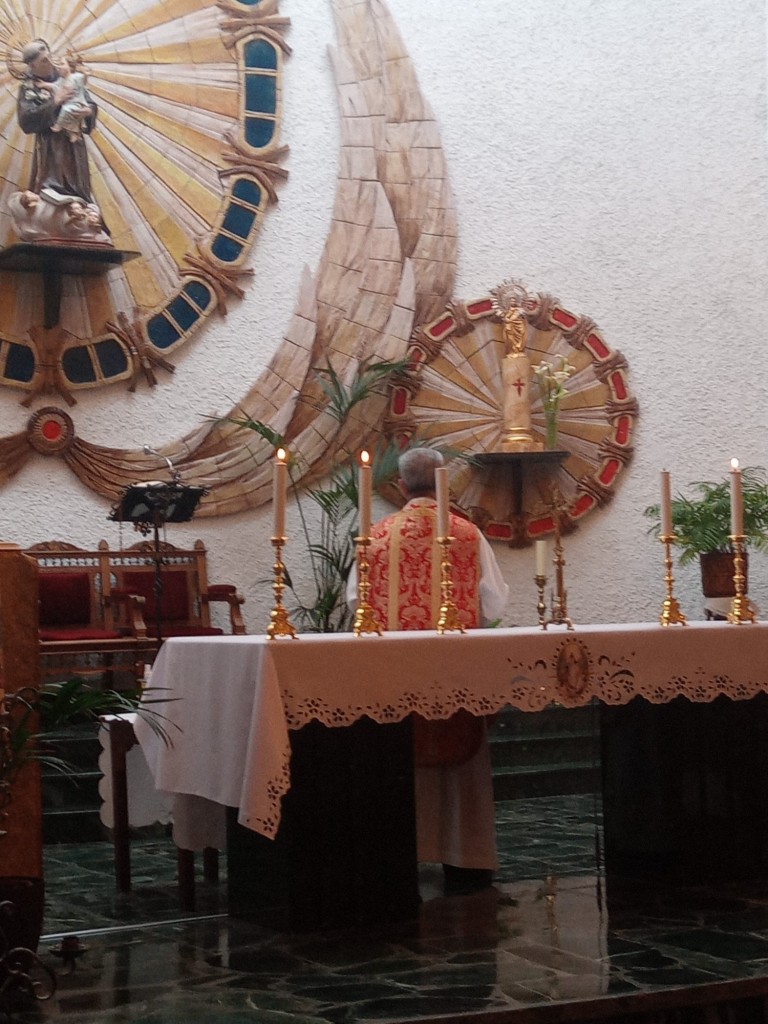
541, 604
365, 616
670, 609
279, 623
559, 613
741, 610
448, 619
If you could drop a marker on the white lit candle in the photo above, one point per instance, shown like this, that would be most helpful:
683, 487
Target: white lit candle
666, 504
541, 557
364, 495
441, 492
737, 501
279, 486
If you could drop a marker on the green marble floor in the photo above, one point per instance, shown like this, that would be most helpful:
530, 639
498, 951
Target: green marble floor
551, 930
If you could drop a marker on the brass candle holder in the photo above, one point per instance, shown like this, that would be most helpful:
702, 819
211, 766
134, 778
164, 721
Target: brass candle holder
365, 616
559, 609
541, 604
670, 609
741, 610
279, 623
448, 619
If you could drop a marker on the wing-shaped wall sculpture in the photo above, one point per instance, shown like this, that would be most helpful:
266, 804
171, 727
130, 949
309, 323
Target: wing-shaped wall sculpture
389, 261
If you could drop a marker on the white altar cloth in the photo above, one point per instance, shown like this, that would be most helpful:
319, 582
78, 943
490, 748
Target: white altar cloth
233, 699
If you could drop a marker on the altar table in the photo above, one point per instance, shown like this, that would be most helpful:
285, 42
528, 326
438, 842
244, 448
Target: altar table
233, 700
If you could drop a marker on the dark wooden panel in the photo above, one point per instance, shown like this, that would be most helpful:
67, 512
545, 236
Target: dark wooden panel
346, 849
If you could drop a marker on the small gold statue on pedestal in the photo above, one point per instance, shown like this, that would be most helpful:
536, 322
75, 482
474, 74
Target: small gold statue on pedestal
516, 379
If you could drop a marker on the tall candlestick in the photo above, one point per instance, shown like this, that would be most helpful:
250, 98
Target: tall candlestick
279, 486
364, 495
441, 492
737, 501
666, 504
542, 553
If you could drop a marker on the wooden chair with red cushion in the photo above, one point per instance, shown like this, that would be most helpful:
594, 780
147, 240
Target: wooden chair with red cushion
77, 630
185, 596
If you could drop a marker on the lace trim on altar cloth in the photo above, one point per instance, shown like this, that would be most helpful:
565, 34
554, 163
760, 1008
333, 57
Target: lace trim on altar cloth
573, 678
274, 791
578, 671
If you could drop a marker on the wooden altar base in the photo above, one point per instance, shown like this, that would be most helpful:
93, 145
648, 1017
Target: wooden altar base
685, 789
345, 853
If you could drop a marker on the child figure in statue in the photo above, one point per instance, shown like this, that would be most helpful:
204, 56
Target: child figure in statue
75, 110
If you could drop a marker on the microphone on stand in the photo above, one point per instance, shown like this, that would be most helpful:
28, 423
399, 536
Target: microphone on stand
175, 474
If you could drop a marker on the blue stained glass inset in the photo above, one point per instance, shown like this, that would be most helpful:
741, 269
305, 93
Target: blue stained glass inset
259, 131
20, 364
260, 94
258, 53
161, 332
77, 365
238, 221
111, 357
226, 249
181, 311
247, 191
198, 293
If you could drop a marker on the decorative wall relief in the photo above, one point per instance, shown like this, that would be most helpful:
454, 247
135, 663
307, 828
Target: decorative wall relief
183, 159
388, 262
454, 394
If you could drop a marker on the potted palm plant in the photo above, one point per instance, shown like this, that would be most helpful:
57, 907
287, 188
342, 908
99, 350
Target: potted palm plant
32, 719
702, 526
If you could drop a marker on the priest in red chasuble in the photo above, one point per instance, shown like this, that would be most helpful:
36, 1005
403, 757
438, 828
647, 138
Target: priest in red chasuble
455, 821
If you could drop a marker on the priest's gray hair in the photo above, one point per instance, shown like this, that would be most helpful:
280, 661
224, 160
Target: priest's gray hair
417, 469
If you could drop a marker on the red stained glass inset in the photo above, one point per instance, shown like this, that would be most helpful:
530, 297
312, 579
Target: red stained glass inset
51, 430
498, 531
621, 434
438, 329
608, 472
584, 504
537, 527
563, 318
618, 385
597, 346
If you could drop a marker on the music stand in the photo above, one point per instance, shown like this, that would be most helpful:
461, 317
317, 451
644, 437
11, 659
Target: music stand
149, 506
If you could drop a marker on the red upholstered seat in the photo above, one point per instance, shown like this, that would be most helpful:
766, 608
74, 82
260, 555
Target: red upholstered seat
65, 599
97, 607
175, 612
78, 633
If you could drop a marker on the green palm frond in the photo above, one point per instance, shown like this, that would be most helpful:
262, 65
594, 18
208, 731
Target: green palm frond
369, 377
703, 523
272, 437
39, 716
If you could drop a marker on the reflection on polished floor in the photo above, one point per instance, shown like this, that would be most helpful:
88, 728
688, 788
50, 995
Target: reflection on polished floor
550, 931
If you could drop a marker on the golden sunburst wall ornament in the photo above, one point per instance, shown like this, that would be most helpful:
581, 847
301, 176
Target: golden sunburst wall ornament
183, 160
452, 394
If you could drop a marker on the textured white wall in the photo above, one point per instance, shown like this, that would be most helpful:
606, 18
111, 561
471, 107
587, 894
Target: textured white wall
610, 152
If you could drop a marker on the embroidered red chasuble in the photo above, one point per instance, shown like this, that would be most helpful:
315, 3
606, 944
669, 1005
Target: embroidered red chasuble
403, 595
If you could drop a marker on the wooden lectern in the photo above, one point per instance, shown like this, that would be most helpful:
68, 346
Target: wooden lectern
21, 848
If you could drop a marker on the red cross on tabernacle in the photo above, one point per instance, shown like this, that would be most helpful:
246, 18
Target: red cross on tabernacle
519, 384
